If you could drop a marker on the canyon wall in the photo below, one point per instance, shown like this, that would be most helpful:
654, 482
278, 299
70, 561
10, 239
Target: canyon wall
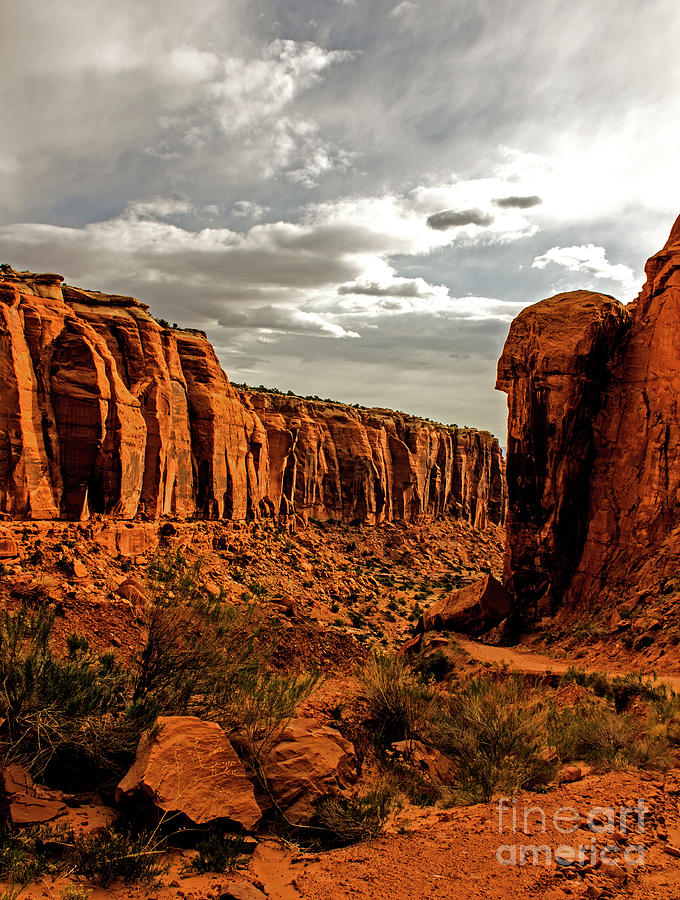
104, 410
593, 444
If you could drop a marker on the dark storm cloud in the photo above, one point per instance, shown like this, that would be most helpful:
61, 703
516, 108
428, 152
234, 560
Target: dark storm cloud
458, 218
404, 289
526, 202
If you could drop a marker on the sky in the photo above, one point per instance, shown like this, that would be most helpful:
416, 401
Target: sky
353, 198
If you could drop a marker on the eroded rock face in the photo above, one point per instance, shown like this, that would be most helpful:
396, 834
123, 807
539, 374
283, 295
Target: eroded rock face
185, 765
554, 369
330, 461
104, 410
593, 443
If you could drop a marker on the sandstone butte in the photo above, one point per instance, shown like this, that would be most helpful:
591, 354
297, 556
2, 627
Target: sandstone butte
103, 410
593, 443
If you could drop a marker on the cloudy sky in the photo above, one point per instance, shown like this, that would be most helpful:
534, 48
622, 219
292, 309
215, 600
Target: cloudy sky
352, 197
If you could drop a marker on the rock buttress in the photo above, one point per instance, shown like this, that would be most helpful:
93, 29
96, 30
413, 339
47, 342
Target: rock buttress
593, 460
554, 369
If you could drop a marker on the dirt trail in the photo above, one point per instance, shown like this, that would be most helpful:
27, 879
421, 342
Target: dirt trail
524, 661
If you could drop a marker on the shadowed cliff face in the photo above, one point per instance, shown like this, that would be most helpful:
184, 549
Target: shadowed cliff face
103, 410
594, 441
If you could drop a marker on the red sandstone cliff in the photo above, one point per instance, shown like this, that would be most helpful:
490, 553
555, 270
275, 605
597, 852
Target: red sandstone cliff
333, 461
593, 443
104, 410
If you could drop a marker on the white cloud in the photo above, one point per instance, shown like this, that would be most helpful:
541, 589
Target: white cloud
586, 258
249, 91
248, 209
189, 65
163, 207
403, 9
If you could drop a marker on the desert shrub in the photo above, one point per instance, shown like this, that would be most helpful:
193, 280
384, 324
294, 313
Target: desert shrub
260, 705
196, 647
83, 713
405, 780
622, 689
597, 734
75, 892
495, 735
193, 651
399, 701
219, 852
210, 658
434, 666
12, 892
626, 688
23, 857
64, 713
114, 855
348, 820
27, 854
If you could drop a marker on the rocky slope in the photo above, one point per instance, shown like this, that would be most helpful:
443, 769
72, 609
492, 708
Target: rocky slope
593, 442
102, 409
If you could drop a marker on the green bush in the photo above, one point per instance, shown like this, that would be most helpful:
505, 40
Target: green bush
348, 820
597, 734
63, 714
435, 666
219, 852
26, 854
119, 855
495, 735
622, 689
399, 702
75, 892
83, 713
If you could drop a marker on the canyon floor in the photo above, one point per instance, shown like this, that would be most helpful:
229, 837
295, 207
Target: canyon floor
338, 592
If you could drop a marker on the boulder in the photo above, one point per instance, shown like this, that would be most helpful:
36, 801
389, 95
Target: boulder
9, 548
310, 761
472, 610
427, 760
80, 570
132, 590
28, 803
240, 890
189, 766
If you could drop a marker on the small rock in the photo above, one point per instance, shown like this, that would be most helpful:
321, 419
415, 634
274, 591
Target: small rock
79, 569
240, 891
614, 871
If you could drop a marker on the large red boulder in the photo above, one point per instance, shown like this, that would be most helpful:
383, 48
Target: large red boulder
473, 609
185, 765
310, 761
